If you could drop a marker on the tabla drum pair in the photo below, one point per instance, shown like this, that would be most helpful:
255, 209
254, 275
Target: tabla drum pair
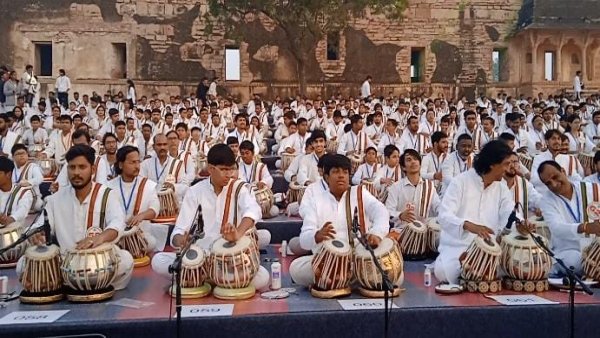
480, 266
134, 241
356, 160
526, 265
390, 258
8, 236
194, 274
88, 274
41, 278
233, 266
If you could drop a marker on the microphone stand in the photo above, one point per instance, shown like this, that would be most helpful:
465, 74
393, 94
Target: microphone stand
572, 278
387, 285
197, 231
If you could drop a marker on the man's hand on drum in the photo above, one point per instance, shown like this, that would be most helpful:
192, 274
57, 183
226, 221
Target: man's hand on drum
168, 185
438, 176
261, 185
290, 150
387, 181
42, 155
230, 233
6, 220
38, 239
24, 184
538, 212
135, 220
592, 228
89, 242
407, 216
325, 233
373, 240
525, 227
479, 230
53, 187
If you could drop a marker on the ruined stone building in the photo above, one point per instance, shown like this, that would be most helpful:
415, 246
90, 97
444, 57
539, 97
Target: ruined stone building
453, 46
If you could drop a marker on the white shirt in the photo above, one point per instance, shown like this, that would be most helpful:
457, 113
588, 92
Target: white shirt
416, 142
21, 204
454, 166
577, 83
58, 146
213, 208
34, 176
365, 89
519, 195
158, 173
351, 141
63, 84
403, 192
365, 171
323, 208
68, 217
30, 137
128, 191
308, 170
569, 163
432, 164
247, 173
292, 170
387, 139
295, 141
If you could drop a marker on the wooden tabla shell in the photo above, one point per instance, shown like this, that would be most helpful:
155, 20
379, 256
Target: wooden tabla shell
356, 160
286, 160
295, 192
233, 265
193, 268
90, 269
433, 234
264, 198
591, 260
522, 259
481, 260
41, 270
369, 185
9, 235
332, 146
169, 206
587, 161
389, 256
134, 241
413, 240
526, 160
542, 228
332, 265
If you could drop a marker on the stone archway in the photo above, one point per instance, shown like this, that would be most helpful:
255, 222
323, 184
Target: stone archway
571, 60
547, 45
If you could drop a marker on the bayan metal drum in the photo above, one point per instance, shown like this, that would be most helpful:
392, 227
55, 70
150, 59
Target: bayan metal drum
480, 266
9, 235
389, 257
134, 241
49, 169
232, 268
332, 266
41, 278
88, 274
526, 265
193, 274
34, 149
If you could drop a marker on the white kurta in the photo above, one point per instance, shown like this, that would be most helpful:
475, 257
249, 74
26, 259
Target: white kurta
365, 171
158, 173
453, 166
249, 174
467, 200
403, 192
308, 170
432, 164
20, 205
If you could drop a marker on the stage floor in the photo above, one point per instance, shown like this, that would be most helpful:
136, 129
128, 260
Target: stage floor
420, 311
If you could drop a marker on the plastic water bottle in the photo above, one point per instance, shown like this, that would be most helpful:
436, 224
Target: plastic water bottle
284, 248
275, 276
427, 276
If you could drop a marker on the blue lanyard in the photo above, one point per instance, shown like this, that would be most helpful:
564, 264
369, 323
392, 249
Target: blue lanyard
156, 168
323, 184
248, 179
18, 179
462, 168
128, 203
577, 217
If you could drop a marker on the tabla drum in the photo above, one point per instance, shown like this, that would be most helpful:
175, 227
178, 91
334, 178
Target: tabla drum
41, 279
266, 200
49, 169
413, 241
369, 185
433, 234
526, 160
88, 274
193, 274
286, 160
526, 265
34, 149
332, 266
9, 235
332, 146
201, 166
169, 206
587, 162
356, 160
541, 228
480, 266
390, 258
591, 260
134, 241
295, 192
232, 268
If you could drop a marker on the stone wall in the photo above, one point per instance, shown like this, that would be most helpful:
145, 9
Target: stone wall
168, 48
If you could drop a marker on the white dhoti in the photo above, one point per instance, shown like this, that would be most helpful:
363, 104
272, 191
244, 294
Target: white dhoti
302, 272
162, 260
571, 258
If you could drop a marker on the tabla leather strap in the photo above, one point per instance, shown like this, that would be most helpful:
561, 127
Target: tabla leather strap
237, 194
90, 216
13, 197
426, 191
24, 173
103, 208
96, 165
227, 203
525, 198
139, 196
361, 214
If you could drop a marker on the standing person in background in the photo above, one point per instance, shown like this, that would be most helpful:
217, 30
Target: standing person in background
29, 85
63, 85
202, 90
365, 89
3, 80
212, 89
131, 95
577, 85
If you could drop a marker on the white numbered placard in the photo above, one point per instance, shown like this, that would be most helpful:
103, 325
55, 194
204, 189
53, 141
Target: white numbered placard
32, 317
365, 304
210, 310
522, 300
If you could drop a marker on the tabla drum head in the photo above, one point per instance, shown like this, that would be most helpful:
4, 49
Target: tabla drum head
384, 246
337, 246
417, 226
194, 256
593, 211
489, 245
222, 246
41, 251
12, 226
433, 224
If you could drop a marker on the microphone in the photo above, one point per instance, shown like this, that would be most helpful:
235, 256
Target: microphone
355, 221
512, 218
47, 229
200, 222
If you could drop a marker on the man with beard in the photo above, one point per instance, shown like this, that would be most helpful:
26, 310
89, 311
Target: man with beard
138, 195
412, 138
431, 166
87, 214
177, 152
162, 166
105, 164
564, 206
459, 161
521, 189
326, 216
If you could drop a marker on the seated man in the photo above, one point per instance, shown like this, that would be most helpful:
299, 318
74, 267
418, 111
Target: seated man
251, 170
212, 195
16, 200
27, 174
368, 170
325, 216
308, 171
390, 173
